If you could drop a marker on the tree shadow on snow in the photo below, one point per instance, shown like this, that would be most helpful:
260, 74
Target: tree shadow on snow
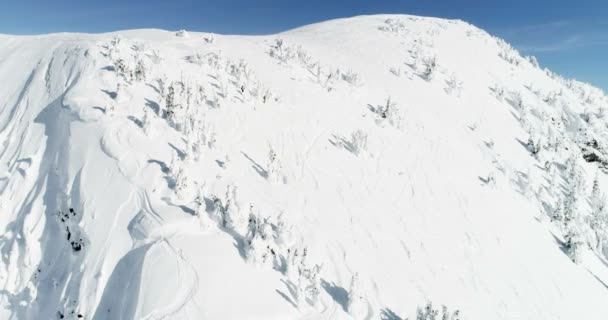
153, 88
120, 295
181, 154
103, 110
388, 314
523, 144
598, 279
340, 142
239, 242
136, 121
339, 294
153, 106
561, 244
292, 291
184, 208
256, 166
287, 298
110, 94
163, 166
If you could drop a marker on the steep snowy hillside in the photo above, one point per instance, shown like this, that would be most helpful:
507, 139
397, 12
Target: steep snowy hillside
357, 168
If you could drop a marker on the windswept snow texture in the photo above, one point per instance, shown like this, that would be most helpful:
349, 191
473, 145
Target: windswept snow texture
143, 174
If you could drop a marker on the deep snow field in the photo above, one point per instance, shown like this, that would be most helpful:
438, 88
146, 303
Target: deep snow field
352, 169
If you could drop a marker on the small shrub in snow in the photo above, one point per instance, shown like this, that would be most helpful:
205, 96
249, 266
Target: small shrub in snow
429, 66
210, 39
182, 34
388, 112
490, 180
281, 51
454, 86
351, 78
498, 91
305, 59
197, 58
357, 143
154, 57
395, 71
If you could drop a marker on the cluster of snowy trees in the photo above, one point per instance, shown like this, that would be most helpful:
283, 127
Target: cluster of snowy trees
74, 234
428, 312
394, 26
128, 60
421, 62
508, 53
326, 77
266, 241
568, 145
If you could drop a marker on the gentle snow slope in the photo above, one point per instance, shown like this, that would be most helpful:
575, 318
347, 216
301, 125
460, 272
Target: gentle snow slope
425, 204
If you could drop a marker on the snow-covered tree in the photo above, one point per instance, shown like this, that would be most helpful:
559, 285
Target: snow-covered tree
429, 66
305, 276
309, 283
598, 219
259, 247
198, 203
139, 74
358, 142
235, 218
145, 122
356, 301
454, 86
283, 231
573, 241
180, 179
534, 144
274, 169
170, 104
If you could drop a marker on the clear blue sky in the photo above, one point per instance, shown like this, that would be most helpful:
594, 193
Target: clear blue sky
569, 37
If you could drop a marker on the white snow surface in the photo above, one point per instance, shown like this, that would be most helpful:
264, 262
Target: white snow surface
404, 205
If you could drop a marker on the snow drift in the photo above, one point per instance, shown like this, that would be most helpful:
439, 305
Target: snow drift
357, 168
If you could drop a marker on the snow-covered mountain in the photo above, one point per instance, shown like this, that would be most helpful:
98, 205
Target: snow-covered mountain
356, 168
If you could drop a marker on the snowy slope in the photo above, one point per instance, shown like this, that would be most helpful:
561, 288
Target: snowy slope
130, 163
